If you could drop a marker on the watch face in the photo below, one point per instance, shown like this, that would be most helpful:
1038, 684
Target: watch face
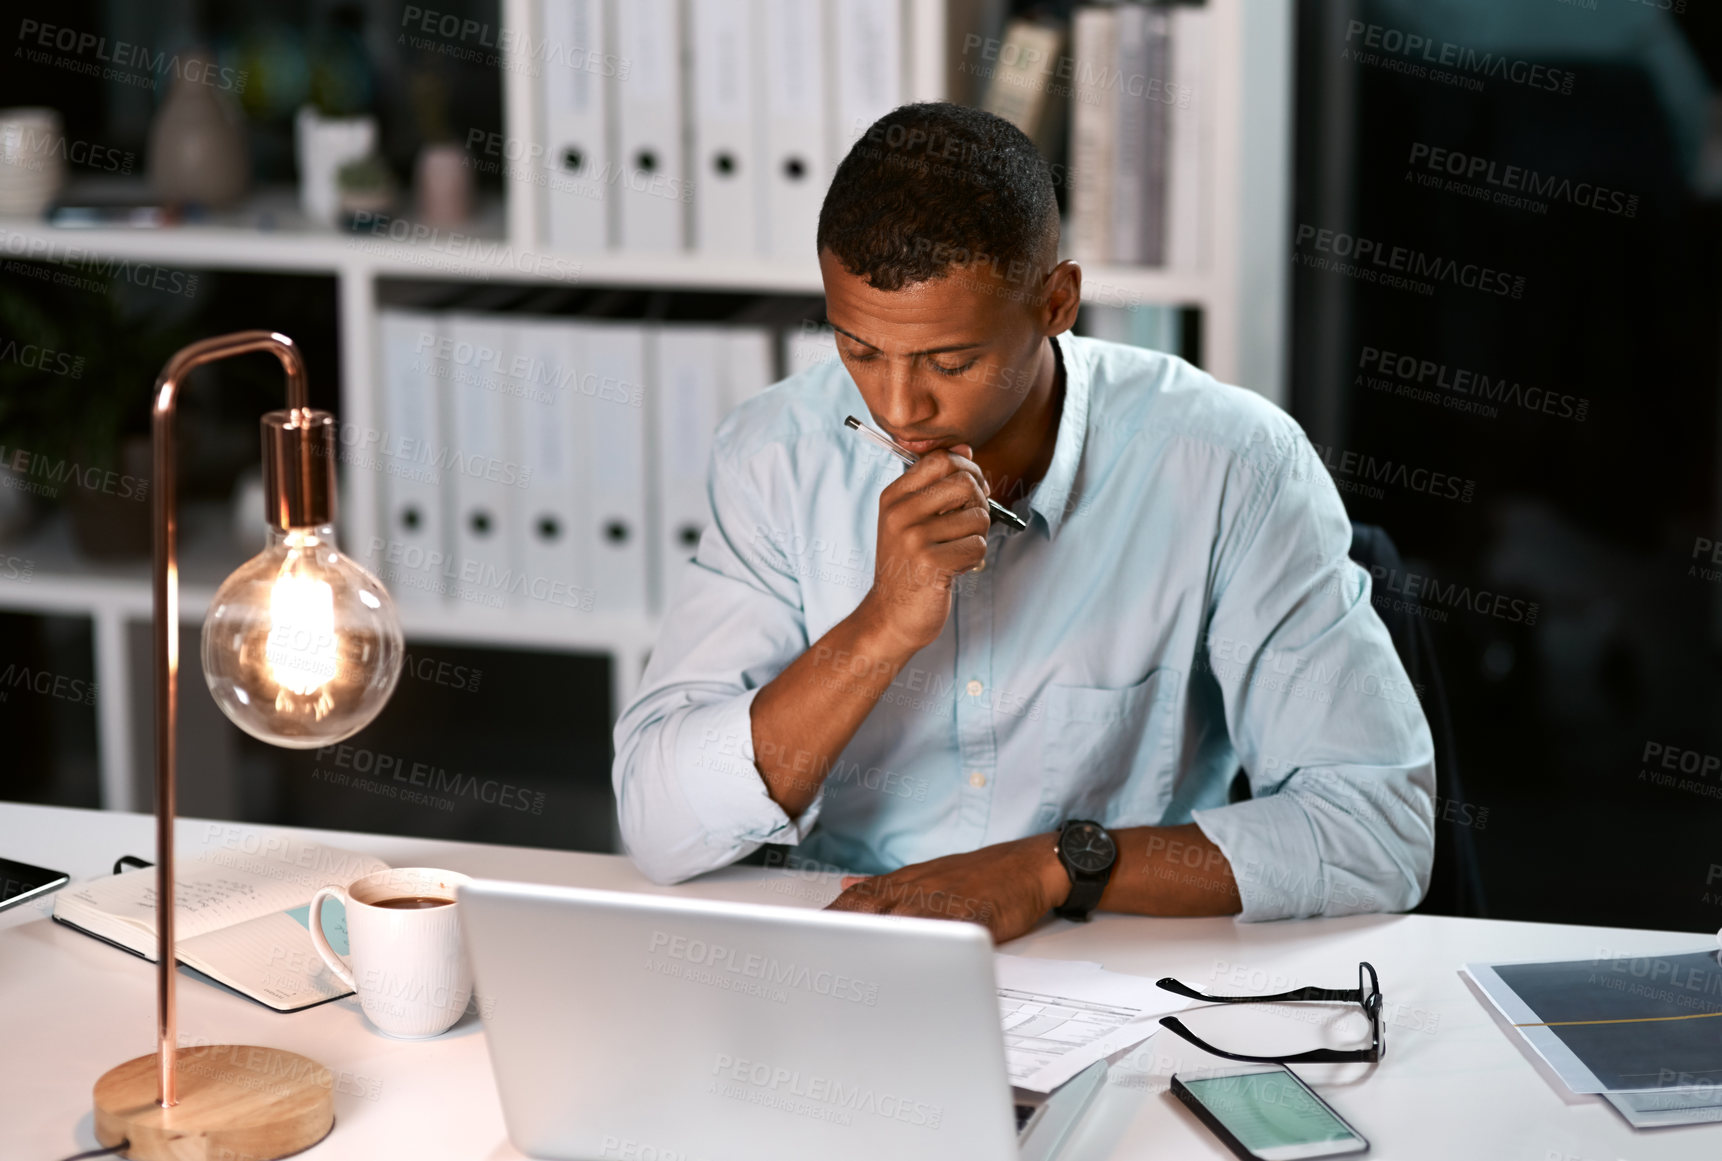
1087, 847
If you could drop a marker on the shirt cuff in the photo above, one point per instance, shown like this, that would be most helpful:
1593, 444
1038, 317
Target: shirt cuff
723, 787
1271, 847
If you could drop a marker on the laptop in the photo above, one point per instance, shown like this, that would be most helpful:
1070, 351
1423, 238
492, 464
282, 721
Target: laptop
661, 1028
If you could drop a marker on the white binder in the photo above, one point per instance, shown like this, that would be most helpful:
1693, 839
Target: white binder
793, 35
688, 400
867, 67
579, 195
409, 460
650, 146
484, 468
1190, 142
728, 181
1153, 206
747, 364
552, 503
615, 448
1131, 140
1093, 133
700, 375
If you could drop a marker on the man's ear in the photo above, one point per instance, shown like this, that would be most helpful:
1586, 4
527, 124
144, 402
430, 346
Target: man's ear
1063, 296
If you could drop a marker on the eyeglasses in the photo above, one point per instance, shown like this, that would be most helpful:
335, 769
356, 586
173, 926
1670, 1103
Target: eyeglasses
1367, 995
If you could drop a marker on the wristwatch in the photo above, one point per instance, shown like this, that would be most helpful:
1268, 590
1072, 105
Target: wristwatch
1087, 851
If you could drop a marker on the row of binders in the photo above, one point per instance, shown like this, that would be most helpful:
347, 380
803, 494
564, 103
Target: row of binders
1136, 90
541, 465
705, 125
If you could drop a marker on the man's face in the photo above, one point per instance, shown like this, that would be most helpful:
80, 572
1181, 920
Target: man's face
945, 361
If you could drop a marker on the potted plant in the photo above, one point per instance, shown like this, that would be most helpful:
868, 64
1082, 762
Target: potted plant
365, 187
76, 372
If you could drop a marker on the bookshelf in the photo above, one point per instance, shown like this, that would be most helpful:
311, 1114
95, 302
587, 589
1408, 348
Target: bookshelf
1241, 297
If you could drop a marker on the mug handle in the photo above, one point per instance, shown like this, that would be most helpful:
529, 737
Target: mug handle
320, 942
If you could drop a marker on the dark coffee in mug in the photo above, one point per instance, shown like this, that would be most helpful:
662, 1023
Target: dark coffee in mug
413, 902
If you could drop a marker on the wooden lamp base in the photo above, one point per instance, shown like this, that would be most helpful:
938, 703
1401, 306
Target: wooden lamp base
236, 1103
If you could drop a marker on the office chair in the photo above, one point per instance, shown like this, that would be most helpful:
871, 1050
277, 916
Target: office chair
1455, 883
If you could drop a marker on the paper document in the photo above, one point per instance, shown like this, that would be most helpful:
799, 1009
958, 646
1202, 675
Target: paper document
1060, 1016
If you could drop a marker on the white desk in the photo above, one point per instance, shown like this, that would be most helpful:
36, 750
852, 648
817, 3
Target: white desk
1453, 1085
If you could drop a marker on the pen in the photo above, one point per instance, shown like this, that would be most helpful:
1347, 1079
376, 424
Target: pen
999, 513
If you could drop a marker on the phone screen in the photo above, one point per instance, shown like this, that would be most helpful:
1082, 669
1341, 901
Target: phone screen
1269, 1110
17, 879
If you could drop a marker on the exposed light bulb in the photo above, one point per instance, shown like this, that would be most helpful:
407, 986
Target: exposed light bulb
302, 647
301, 652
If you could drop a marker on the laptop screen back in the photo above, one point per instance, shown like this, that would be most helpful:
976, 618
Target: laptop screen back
625, 1025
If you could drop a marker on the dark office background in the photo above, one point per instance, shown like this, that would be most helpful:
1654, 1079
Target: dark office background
1598, 521
1595, 520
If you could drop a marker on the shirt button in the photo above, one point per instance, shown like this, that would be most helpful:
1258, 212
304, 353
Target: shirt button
975, 687
977, 779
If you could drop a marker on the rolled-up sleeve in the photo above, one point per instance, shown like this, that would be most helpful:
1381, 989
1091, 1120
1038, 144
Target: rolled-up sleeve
1318, 705
689, 798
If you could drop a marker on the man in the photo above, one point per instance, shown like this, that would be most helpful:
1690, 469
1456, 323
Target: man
988, 723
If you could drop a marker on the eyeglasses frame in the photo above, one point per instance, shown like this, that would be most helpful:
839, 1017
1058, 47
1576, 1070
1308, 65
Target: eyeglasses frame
1368, 999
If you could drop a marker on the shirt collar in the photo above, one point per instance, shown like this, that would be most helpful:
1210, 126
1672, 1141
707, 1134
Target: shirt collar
1051, 497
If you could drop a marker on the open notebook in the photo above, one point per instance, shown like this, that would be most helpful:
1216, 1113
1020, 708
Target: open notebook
242, 915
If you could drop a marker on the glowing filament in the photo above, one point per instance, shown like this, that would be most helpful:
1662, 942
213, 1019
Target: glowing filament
301, 651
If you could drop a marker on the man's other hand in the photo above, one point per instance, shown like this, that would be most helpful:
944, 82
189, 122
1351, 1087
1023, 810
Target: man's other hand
1006, 887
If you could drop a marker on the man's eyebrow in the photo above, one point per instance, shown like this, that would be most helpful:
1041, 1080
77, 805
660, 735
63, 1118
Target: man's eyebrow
912, 354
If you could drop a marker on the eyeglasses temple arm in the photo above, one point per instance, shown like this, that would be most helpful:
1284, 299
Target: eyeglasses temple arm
1347, 995
1314, 1056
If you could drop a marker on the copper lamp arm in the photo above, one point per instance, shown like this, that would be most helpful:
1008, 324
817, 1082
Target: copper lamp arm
166, 586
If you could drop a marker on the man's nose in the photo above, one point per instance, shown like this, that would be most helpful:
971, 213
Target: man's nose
905, 405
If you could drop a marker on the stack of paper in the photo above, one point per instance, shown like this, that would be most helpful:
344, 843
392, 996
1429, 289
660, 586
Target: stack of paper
1060, 1016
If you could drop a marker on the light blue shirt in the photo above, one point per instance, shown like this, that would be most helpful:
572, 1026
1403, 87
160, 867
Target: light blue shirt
1180, 605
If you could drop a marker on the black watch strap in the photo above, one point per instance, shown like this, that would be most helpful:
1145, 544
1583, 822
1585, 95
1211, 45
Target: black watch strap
1084, 897
1086, 887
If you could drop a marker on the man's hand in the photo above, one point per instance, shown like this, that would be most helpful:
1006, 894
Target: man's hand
1006, 887
933, 522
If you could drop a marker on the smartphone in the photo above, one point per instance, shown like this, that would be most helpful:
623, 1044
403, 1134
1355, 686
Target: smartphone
1264, 1112
20, 882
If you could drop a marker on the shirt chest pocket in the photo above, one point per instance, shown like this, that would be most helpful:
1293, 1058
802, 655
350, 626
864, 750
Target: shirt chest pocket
1108, 752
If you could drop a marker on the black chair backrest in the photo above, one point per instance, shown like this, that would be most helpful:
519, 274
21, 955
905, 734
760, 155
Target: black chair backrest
1455, 884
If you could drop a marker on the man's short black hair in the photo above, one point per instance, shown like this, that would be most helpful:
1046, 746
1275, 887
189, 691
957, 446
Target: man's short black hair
936, 185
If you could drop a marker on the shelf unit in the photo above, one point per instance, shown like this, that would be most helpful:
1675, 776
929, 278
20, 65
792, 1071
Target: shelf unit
1242, 299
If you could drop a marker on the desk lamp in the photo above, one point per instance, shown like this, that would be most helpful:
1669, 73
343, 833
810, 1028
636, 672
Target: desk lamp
301, 648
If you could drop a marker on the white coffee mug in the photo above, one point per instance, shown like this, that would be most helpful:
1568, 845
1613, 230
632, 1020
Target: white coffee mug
408, 966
